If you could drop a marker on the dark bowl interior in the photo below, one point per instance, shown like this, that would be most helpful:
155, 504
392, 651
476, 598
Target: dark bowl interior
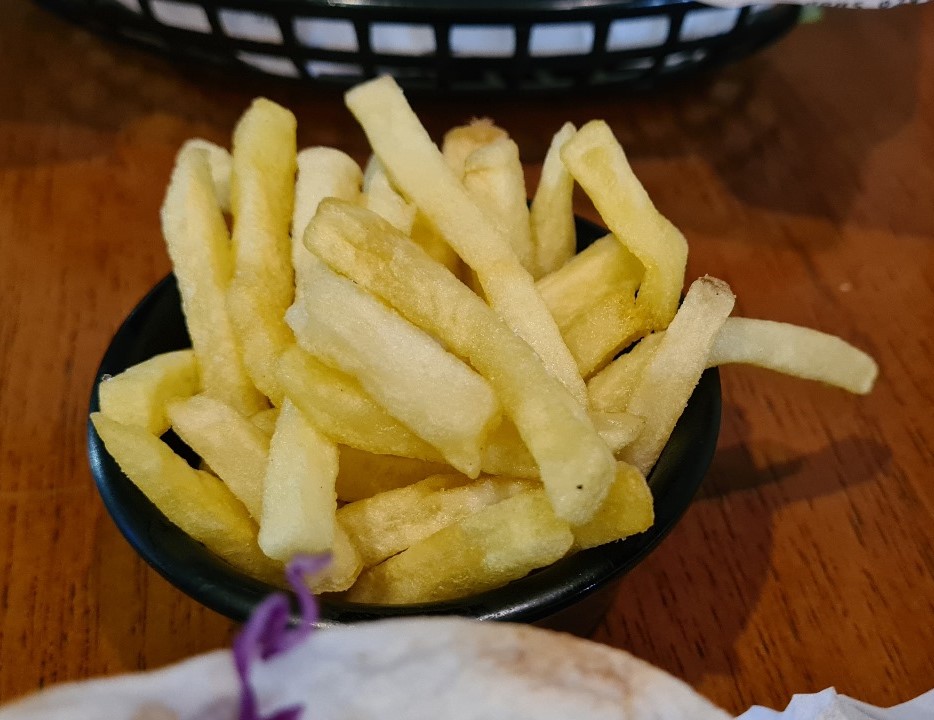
157, 325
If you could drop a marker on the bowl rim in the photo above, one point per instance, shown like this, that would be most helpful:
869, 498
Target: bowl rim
198, 573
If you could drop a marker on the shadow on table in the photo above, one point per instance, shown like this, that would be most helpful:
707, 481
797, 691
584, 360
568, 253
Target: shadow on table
687, 605
143, 620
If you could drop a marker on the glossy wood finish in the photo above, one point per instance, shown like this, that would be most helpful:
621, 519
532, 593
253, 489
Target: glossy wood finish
804, 177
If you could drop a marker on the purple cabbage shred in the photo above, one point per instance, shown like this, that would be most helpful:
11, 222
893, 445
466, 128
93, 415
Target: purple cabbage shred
268, 632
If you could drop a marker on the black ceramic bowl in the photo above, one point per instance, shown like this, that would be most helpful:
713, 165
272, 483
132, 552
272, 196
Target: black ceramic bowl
563, 595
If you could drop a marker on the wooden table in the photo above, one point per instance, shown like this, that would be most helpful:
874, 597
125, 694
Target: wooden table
804, 177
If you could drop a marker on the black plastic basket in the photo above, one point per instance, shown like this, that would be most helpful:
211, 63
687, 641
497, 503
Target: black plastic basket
445, 45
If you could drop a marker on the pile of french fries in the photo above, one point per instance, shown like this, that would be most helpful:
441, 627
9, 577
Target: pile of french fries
409, 367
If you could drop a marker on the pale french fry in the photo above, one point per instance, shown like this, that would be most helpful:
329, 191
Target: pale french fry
234, 448
793, 350
605, 267
362, 474
221, 163
343, 569
506, 454
494, 178
380, 197
494, 546
322, 172
388, 523
419, 171
611, 388
342, 410
299, 499
432, 392
461, 141
199, 504
265, 420
669, 378
576, 465
261, 197
138, 395
199, 245
554, 239
599, 165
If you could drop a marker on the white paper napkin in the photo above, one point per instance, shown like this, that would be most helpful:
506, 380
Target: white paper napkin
830, 705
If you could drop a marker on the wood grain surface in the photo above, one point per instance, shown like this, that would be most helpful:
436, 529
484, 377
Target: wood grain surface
804, 177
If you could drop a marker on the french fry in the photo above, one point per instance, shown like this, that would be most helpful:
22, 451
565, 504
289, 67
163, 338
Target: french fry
461, 141
388, 523
322, 172
627, 510
261, 198
299, 499
404, 369
138, 395
793, 350
381, 198
576, 465
362, 474
342, 410
494, 178
669, 378
497, 544
425, 235
419, 171
199, 245
599, 333
234, 448
554, 239
199, 504
611, 388
221, 164
599, 165
265, 420
344, 568
506, 454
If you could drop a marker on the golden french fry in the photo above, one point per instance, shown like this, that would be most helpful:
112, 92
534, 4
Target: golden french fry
611, 388
199, 245
494, 178
668, 379
261, 197
603, 268
793, 350
599, 333
461, 141
342, 410
627, 510
494, 546
362, 474
576, 465
419, 171
322, 172
552, 216
432, 392
198, 503
299, 499
232, 446
138, 395
221, 164
388, 523
599, 165
380, 197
